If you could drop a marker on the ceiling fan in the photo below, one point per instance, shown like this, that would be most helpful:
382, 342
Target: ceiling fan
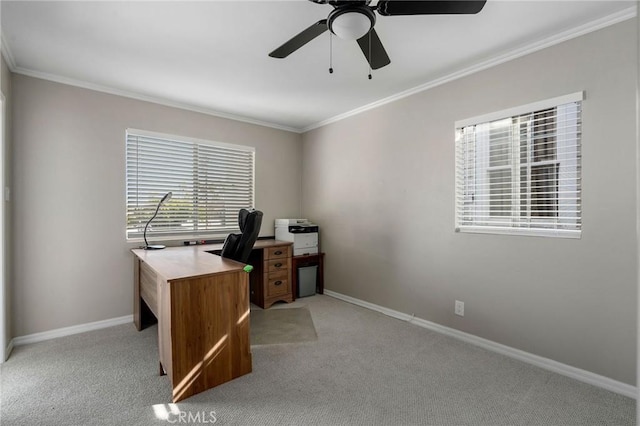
355, 20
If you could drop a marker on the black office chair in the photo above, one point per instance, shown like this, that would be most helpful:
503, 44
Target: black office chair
238, 246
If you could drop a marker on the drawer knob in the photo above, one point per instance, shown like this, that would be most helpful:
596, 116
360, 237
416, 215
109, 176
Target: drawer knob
278, 252
278, 265
277, 283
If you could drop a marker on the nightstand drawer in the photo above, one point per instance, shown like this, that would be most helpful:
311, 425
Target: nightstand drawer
277, 252
277, 286
277, 265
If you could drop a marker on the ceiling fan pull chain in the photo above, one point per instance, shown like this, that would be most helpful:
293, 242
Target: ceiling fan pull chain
330, 53
370, 58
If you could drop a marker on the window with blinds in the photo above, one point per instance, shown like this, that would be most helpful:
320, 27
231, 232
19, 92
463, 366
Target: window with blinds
209, 181
518, 171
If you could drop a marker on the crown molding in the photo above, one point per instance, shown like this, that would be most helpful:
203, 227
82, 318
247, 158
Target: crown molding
595, 25
575, 32
147, 98
6, 53
8, 56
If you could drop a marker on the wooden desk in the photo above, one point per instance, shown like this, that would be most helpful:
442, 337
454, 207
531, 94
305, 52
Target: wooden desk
201, 303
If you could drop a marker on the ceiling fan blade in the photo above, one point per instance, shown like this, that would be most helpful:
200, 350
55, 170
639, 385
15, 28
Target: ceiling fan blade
428, 7
379, 57
300, 40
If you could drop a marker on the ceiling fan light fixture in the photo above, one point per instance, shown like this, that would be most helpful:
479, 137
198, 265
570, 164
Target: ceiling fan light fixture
351, 23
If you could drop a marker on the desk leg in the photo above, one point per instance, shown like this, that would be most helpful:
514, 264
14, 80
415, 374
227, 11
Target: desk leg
320, 283
294, 278
137, 301
143, 316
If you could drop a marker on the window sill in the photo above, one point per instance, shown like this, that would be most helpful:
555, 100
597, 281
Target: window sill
527, 232
177, 239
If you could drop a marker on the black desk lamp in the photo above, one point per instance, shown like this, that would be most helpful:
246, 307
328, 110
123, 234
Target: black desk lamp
166, 198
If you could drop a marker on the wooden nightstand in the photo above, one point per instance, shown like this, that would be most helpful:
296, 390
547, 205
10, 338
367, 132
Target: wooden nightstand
271, 276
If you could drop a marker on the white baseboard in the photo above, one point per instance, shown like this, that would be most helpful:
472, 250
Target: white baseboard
67, 331
7, 352
538, 361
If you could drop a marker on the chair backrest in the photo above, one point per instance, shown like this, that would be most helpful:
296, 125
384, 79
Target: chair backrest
238, 246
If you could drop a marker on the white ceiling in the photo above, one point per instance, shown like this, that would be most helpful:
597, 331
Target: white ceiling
213, 56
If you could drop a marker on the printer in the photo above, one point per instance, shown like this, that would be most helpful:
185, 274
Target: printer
301, 232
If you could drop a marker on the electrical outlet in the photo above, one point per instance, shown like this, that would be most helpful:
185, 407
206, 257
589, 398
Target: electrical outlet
459, 309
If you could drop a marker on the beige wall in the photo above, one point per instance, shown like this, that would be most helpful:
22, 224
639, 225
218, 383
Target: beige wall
72, 264
5, 87
638, 202
381, 187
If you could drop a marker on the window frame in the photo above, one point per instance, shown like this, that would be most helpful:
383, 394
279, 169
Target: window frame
173, 235
509, 114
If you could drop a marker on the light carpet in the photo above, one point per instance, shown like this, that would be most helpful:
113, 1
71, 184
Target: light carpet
364, 369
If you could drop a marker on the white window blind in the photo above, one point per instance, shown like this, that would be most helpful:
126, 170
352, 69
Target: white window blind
519, 171
210, 182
